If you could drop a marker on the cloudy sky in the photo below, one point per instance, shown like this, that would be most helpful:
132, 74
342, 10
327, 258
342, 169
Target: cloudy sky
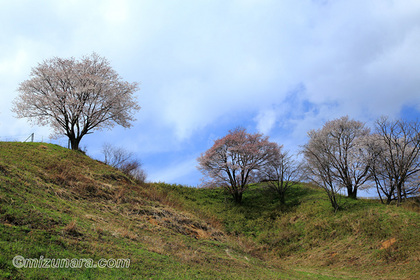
280, 67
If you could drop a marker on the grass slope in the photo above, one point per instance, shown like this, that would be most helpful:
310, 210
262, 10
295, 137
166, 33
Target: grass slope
366, 240
58, 203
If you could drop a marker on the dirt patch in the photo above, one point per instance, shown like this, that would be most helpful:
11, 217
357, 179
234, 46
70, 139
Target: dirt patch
388, 243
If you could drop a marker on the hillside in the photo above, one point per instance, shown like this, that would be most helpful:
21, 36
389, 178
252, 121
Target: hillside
60, 204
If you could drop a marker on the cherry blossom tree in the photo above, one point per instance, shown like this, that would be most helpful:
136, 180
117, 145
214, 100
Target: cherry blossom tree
234, 161
337, 158
395, 149
76, 97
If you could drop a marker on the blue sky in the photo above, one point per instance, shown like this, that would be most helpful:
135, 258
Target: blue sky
204, 67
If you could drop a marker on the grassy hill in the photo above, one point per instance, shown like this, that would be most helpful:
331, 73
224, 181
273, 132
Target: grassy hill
60, 204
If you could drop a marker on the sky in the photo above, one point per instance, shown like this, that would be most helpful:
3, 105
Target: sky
278, 67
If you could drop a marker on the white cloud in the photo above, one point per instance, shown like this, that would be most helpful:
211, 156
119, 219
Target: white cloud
265, 121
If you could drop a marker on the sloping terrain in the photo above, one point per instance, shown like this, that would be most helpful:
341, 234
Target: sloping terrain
60, 204
366, 240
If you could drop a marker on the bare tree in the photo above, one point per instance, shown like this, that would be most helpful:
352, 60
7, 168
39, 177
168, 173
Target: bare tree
124, 161
76, 97
281, 173
395, 150
336, 157
233, 161
319, 171
116, 157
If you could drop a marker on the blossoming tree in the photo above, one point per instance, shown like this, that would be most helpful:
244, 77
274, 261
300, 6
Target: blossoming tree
337, 157
234, 160
76, 97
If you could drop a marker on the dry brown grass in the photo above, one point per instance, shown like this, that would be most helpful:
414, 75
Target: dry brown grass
72, 229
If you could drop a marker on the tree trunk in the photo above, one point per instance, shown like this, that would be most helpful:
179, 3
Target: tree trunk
399, 194
237, 197
379, 193
332, 196
334, 203
74, 143
282, 197
352, 193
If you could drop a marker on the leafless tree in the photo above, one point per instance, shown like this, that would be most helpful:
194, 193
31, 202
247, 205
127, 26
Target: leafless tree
396, 152
114, 156
234, 160
336, 157
281, 173
319, 171
124, 161
76, 97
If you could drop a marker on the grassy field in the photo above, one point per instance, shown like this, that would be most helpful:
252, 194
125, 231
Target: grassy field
60, 204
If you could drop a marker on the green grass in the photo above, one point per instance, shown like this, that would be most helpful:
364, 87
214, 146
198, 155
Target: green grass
58, 203
306, 232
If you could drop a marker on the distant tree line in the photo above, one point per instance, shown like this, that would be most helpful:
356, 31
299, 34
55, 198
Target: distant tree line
77, 97
342, 155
